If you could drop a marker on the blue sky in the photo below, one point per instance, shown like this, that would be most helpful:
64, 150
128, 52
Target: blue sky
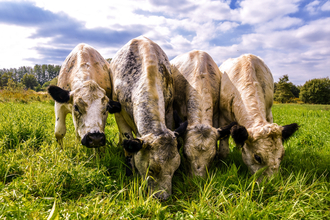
291, 36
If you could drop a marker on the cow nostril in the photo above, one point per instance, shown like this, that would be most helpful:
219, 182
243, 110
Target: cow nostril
94, 140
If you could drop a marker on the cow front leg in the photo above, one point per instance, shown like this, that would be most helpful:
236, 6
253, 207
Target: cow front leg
60, 129
125, 133
169, 118
223, 150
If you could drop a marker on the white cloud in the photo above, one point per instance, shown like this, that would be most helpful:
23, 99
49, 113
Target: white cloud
312, 7
268, 28
256, 12
326, 6
16, 46
279, 24
226, 26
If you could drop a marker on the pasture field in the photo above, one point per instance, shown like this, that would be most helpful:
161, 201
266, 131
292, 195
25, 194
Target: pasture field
38, 180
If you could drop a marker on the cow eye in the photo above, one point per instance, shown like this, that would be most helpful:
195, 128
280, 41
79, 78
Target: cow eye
257, 158
76, 108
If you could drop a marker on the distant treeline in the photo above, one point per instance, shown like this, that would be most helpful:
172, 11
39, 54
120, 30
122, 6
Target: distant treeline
39, 77
28, 77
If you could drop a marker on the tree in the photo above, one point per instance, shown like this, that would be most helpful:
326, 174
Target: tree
283, 90
5, 77
29, 81
51, 82
316, 91
295, 90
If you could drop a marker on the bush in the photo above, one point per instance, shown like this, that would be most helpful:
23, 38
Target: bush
316, 91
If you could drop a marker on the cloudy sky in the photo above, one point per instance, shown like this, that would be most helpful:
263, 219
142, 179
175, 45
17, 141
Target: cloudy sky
291, 36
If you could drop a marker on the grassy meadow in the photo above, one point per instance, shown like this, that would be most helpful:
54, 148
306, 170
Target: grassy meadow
38, 180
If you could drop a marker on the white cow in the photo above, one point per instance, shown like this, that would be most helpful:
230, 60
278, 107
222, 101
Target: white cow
196, 98
143, 85
246, 96
83, 89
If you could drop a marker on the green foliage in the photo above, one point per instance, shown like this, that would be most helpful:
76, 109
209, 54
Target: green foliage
39, 180
283, 90
294, 89
29, 81
51, 82
18, 94
316, 91
42, 73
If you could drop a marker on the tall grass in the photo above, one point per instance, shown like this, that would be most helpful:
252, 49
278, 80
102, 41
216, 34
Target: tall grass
40, 180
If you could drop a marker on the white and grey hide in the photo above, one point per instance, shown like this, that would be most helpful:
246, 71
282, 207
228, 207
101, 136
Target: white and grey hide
246, 96
143, 85
196, 98
83, 89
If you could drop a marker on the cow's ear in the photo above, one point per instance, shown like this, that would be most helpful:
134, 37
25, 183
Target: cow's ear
113, 107
58, 94
181, 129
239, 134
177, 119
133, 146
224, 132
288, 130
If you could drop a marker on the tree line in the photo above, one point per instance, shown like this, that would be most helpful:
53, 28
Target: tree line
38, 78
29, 78
314, 91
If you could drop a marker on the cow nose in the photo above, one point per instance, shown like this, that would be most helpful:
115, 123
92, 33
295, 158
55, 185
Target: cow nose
93, 140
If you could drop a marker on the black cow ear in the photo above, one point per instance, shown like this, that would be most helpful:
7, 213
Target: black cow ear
58, 94
239, 134
225, 131
132, 146
177, 119
181, 129
113, 107
288, 130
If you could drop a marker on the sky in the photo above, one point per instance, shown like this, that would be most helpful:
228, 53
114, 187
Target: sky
291, 36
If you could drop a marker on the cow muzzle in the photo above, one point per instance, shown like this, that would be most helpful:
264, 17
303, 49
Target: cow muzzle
93, 140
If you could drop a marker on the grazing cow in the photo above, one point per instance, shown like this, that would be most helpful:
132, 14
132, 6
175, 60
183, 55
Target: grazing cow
196, 97
83, 89
246, 96
143, 84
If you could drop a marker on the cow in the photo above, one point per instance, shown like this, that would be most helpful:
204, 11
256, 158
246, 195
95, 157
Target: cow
246, 97
143, 85
83, 89
196, 98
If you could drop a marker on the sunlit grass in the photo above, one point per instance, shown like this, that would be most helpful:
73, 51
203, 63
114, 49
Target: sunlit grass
85, 183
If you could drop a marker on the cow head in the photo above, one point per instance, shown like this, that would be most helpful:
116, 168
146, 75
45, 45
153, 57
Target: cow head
157, 157
263, 146
200, 146
89, 106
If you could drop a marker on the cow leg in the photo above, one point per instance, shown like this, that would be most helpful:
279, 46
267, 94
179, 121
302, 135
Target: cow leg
60, 129
169, 118
125, 133
223, 150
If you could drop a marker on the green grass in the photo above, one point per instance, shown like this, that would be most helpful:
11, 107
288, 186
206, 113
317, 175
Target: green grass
39, 180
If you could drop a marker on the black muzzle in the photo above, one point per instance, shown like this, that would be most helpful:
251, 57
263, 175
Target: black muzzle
93, 140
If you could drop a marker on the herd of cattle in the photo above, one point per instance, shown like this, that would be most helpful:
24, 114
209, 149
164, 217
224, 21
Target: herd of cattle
151, 97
